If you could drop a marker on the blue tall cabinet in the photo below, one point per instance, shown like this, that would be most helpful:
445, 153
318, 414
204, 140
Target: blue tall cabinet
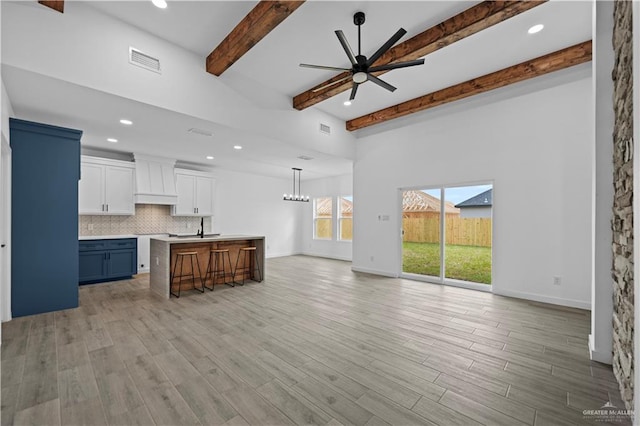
44, 214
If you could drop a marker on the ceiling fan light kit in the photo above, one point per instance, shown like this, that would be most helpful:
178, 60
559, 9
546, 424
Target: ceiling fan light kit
359, 77
361, 66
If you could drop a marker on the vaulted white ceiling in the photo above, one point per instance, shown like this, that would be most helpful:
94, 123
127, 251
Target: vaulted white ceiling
305, 36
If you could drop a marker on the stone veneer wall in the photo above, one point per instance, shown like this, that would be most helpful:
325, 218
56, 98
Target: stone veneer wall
149, 219
622, 222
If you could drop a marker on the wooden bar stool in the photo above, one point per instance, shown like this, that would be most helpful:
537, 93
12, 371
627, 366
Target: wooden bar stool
246, 264
216, 258
192, 256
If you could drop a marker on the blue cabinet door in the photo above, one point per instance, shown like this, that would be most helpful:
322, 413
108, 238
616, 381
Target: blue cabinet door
107, 260
93, 265
122, 263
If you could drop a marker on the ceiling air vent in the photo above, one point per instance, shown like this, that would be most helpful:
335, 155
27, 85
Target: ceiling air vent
324, 128
200, 132
305, 157
143, 60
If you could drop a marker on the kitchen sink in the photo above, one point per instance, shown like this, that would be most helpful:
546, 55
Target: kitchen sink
192, 235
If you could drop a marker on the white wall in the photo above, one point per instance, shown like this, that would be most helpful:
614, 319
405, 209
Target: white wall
601, 337
338, 186
252, 204
536, 148
6, 111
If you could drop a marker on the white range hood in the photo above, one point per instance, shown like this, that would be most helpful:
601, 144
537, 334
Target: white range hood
155, 182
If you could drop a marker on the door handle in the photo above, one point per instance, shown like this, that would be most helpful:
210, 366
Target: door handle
107, 207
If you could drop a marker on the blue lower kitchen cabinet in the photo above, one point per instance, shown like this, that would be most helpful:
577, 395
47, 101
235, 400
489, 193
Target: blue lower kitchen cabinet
45, 169
107, 260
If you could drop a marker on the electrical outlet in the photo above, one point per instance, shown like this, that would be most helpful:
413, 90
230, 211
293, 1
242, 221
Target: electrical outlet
157, 261
372, 258
188, 225
557, 280
90, 227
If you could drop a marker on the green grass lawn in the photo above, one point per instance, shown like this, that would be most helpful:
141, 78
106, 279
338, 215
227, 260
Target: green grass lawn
466, 263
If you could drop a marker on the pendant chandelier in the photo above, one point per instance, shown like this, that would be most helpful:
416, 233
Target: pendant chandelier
296, 196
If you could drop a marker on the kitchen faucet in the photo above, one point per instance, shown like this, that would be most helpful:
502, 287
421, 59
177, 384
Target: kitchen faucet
201, 231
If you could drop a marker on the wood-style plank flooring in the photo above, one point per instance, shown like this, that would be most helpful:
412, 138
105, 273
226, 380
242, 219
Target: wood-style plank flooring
315, 343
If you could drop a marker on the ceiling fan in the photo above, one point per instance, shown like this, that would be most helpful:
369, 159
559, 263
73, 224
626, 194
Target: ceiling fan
361, 67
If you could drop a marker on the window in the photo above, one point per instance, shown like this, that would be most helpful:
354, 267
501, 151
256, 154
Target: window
323, 218
345, 218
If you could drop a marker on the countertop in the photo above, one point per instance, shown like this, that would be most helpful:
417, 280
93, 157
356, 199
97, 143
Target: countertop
205, 239
105, 237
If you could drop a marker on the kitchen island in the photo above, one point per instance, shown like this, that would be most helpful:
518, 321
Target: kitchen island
165, 249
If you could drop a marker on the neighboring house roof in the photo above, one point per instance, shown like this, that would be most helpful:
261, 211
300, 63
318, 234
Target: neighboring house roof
484, 199
323, 207
418, 201
347, 207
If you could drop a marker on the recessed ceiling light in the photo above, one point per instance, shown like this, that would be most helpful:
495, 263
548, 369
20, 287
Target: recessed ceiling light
347, 103
209, 157
162, 4
112, 140
126, 122
535, 29
237, 147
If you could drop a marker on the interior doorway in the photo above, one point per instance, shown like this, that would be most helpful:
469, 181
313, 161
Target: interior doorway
447, 234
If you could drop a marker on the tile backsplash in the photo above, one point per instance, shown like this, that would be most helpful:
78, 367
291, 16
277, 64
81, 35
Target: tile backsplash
149, 219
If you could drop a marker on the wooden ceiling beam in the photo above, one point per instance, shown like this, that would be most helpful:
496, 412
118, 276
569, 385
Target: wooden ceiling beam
555, 61
263, 18
57, 5
464, 24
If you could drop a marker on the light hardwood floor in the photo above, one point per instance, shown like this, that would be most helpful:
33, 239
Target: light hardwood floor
315, 343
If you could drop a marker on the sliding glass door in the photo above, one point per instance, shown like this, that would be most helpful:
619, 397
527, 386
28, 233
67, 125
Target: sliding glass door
421, 227
447, 233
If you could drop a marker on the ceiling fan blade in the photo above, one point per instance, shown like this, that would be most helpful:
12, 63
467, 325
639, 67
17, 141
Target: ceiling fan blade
317, 89
346, 46
324, 67
397, 65
354, 89
394, 38
380, 83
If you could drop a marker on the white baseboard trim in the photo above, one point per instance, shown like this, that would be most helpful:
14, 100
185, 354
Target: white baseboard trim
605, 357
580, 304
374, 272
326, 256
270, 255
144, 270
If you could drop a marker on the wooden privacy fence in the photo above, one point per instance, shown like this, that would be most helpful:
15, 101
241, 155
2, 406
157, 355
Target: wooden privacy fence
324, 229
458, 230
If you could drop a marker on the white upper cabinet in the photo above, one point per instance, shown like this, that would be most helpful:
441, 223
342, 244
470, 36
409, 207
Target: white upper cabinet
186, 189
106, 187
195, 193
91, 189
204, 196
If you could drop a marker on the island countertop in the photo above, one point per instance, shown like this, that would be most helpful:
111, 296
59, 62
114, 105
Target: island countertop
195, 239
164, 251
